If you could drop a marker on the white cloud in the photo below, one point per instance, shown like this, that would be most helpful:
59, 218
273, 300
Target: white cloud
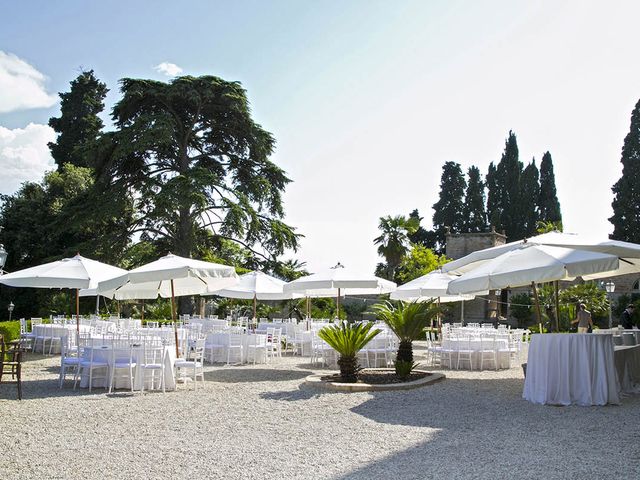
168, 69
21, 85
24, 155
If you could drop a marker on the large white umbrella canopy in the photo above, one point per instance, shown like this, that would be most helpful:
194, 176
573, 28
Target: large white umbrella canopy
532, 263
338, 281
257, 286
433, 285
76, 273
629, 253
170, 276
188, 276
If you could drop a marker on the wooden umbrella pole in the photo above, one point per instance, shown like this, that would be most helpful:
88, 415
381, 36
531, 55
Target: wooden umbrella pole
535, 295
255, 299
78, 310
556, 291
173, 319
142, 319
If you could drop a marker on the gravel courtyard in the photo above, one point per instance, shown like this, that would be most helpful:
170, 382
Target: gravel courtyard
258, 422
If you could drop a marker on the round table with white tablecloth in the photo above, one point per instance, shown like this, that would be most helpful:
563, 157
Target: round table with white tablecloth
103, 353
577, 368
47, 336
221, 343
501, 347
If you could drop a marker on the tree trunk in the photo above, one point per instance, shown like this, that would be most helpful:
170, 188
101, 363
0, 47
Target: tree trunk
348, 368
405, 351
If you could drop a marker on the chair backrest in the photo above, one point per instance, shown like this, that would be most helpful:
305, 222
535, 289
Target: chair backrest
235, 340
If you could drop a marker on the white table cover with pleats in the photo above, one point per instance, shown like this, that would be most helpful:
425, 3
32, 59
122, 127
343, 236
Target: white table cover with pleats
567, 369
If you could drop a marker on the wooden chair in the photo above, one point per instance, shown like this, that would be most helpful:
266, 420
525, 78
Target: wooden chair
11, 364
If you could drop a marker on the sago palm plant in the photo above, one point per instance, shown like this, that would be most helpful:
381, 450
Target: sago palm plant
348, 339
407, 321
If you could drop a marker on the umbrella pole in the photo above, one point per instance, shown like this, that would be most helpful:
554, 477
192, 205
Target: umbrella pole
338, 305
142, 319
173, 318
462, 311
535, 295
556, 288
97, 305
254, 306
78, 310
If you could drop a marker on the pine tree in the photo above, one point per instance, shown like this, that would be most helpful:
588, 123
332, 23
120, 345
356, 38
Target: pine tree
78, 125
529, 194
474, 215
548, 205
493, 197
626, 201
448, 210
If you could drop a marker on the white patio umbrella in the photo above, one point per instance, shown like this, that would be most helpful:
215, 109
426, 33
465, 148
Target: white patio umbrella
257, 286
531, 264
338, 281
74, 273
432, 286
169, 277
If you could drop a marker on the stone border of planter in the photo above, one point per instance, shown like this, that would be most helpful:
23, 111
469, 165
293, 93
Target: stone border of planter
316, 381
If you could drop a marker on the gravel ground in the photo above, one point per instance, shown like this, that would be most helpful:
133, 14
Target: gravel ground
258, 422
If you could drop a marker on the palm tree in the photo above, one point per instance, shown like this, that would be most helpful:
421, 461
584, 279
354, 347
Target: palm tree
393, 243
348, 339
407, 321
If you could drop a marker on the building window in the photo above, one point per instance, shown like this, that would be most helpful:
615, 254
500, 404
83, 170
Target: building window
636, 286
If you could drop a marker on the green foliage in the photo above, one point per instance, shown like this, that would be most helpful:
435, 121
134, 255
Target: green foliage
407, 321
626, 191
448, 211
159, 309
10, 330
474, 215
421, 236
521, 308
197, 163
348, 339
529, 193
393, 242
621, 305
418, 262
545, 227
79, 125
404, 368
548, 204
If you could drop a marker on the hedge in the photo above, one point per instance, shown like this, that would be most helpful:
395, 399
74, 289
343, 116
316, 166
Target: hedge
10, 330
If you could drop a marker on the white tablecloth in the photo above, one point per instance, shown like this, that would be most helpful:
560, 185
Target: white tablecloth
627, 360
565, 369
220, 355
121, 378
46, 331
288, 329
501, 344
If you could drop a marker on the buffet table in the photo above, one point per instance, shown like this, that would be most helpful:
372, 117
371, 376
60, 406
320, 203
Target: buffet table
565, 369
627, 361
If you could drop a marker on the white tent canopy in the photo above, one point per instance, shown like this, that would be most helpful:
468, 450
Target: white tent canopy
257, 285
77, 272
433, 285
532, 263
189, 277
629, 253
339, 281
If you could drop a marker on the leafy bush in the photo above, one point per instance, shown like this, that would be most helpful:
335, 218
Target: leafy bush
10, 330
404, 368
520, 308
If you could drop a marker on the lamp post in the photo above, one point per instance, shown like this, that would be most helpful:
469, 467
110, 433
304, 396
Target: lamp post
11, 307
610, 287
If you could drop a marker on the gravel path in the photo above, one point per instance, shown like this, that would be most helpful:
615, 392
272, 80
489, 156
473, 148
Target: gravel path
256, 422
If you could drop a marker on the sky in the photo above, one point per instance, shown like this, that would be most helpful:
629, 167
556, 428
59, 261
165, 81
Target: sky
366, 99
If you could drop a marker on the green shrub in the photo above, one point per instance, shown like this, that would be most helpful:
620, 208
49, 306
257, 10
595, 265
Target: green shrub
404, 368
10, 330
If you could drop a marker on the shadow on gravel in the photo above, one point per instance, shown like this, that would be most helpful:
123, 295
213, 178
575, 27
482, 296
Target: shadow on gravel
241, 375
303, 393
49, 388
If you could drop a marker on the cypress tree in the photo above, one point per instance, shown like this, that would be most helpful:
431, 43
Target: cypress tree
493, 197
448, 210
626, 200
529, 194
474, 215
548, 204
508, 175
78, 125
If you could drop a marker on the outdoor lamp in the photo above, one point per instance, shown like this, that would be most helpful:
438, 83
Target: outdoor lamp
11, 307
610, 287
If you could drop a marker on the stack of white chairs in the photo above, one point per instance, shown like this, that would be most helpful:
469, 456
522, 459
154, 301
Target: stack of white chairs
193, 365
